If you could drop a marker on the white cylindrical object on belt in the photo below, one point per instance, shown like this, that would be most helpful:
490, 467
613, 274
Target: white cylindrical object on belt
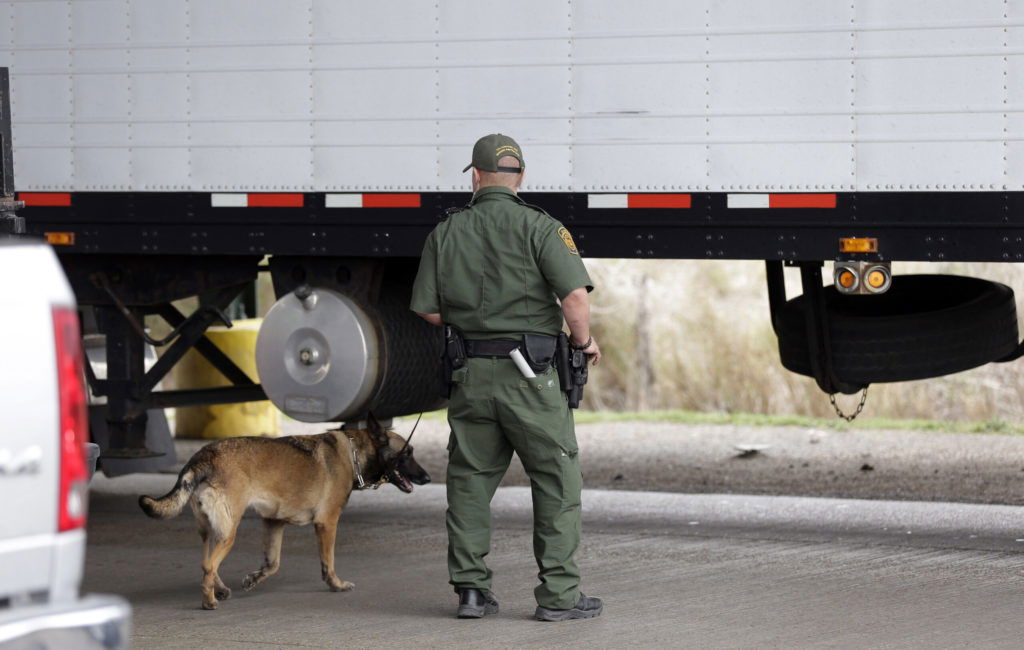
520, 361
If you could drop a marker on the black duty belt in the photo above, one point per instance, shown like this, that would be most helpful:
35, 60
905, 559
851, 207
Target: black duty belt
496, 349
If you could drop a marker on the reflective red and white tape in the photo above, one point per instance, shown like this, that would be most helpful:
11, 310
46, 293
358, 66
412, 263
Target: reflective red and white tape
598, 201
45, 199
372, 200
412, 200
268, 200
781, 201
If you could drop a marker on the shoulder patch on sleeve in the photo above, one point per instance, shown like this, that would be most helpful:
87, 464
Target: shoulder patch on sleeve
454, 210
563, 232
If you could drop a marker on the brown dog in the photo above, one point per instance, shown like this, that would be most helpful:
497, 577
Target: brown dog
288, 480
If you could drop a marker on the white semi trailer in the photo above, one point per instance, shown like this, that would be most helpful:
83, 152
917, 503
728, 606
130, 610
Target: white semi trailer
168, 147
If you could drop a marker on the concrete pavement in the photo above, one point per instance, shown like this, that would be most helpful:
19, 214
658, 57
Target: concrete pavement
675, 570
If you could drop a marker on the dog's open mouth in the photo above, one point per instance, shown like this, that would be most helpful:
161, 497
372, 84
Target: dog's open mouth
402, 483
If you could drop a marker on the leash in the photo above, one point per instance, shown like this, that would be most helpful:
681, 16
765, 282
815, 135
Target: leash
411, 433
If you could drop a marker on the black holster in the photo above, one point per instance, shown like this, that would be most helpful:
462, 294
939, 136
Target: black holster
573, 370
453, 357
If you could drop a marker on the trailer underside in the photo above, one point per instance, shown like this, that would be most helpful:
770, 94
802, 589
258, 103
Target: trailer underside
910, 226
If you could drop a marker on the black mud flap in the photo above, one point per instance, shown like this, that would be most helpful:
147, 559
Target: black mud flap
924, 326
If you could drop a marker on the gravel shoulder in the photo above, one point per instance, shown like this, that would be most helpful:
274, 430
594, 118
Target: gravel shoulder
669, 457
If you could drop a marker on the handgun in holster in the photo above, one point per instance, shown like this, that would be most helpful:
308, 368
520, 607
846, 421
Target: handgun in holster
573, 370
453, 357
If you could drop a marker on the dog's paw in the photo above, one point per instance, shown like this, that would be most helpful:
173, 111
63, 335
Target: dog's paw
251, 580
209, 604
222, 593
341, 585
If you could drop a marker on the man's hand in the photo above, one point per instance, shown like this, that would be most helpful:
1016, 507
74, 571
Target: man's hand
592, 351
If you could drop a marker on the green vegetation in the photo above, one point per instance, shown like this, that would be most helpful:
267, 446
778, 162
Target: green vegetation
761, 420
835, 424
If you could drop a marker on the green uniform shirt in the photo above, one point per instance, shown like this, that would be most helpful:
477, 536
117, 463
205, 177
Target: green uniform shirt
495, 269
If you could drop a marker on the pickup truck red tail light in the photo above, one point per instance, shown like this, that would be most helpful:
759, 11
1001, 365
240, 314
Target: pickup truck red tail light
74, 420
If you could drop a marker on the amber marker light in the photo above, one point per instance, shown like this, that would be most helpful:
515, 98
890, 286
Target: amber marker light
847, 279
877, 279
858, 245
60, 238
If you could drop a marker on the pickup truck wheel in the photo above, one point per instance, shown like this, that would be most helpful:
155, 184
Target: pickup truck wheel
924, 326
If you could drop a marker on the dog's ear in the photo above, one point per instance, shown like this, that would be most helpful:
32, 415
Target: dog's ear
376, 431
372, 423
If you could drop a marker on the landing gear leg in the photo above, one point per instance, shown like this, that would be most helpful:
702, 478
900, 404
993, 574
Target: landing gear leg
126, 414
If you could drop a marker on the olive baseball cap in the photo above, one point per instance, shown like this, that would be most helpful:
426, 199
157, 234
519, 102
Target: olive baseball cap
490, 148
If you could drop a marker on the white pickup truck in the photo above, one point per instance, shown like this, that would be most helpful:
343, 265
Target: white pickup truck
44, 471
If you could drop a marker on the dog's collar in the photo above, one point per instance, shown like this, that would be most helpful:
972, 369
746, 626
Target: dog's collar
355, 464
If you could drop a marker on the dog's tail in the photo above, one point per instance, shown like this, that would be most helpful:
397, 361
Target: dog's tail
172, 503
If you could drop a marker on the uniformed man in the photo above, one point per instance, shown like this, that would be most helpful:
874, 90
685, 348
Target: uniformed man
497, 270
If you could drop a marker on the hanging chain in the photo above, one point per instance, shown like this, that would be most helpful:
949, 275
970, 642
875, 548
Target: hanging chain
852, 416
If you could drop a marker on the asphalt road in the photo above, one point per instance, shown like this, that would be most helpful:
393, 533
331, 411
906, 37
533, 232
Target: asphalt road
861, 464
675, 570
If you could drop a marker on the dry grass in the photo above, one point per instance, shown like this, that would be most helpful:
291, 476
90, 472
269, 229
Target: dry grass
712, 348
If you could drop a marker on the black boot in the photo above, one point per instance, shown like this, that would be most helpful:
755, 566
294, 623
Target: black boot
586, 607
474, 603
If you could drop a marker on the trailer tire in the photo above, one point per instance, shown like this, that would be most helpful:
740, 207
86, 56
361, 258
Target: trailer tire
924, 326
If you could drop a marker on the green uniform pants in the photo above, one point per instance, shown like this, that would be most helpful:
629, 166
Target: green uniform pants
494, 411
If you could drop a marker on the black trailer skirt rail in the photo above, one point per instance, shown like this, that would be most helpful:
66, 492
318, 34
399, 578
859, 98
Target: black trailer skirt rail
919, 225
